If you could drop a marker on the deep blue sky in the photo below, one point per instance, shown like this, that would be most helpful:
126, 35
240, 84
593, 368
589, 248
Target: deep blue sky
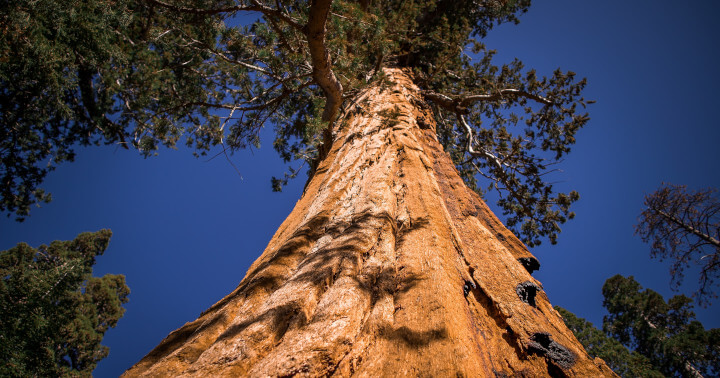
186, 230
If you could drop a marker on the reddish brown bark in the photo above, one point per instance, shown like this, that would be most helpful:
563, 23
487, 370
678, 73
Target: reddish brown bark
388, 266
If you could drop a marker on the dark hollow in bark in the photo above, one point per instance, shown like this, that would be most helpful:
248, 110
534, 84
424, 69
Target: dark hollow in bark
527, 292
531, 264
543, 344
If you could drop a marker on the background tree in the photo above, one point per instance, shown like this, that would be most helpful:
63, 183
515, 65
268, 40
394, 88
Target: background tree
152, 72
665, 332
684, 227
624, 362
53, 312
664, 337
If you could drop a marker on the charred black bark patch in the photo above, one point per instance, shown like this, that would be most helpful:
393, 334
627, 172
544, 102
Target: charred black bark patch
468, 286
527, 292
542, 344
530, 264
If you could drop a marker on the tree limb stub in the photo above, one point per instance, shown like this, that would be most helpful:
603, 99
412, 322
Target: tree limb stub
322, 68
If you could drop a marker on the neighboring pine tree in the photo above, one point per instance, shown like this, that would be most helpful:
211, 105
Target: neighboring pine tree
598, 344
664, 337
665, 332
53, 312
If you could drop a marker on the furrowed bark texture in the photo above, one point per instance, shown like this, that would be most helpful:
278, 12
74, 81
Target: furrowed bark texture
388, 266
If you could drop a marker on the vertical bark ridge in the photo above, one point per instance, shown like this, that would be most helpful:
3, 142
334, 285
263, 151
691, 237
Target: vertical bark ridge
387, 266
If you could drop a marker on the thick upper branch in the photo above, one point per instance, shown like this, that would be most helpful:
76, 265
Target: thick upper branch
322, 68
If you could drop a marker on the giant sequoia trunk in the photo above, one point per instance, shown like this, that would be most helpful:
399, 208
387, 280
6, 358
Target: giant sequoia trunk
388, 266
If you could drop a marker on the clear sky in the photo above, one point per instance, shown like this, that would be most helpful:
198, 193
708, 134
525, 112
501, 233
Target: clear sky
186, 230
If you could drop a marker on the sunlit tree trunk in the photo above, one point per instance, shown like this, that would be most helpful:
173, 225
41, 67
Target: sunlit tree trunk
388, 266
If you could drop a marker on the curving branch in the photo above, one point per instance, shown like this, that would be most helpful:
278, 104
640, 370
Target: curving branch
315, 31
207, 48
471, 150
502, 176
250, 107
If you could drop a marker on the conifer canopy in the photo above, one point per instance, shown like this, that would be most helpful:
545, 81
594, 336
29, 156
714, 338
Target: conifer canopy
645, 336
210, 74
53, 312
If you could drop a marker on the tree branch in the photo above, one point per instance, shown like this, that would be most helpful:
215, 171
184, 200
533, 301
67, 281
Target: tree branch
182, 9
469, 147
508, 92
256, 7
322, 68
689, 228
285, 92
459, 104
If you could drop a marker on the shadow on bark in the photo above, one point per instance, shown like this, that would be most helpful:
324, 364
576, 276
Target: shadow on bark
412, 338
294, 262
280, 318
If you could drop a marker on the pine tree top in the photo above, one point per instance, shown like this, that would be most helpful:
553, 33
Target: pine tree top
53, 312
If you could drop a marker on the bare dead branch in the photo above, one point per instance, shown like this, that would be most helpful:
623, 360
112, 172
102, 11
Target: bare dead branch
687, 226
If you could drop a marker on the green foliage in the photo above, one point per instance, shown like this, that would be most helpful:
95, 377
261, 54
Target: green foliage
81, 73
684, 227
48, 53
664, 337
146, 74
665, 332
53, 313
597, 344
525, 129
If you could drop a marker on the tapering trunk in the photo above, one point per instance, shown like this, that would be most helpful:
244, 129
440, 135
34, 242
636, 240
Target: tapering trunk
388, 266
